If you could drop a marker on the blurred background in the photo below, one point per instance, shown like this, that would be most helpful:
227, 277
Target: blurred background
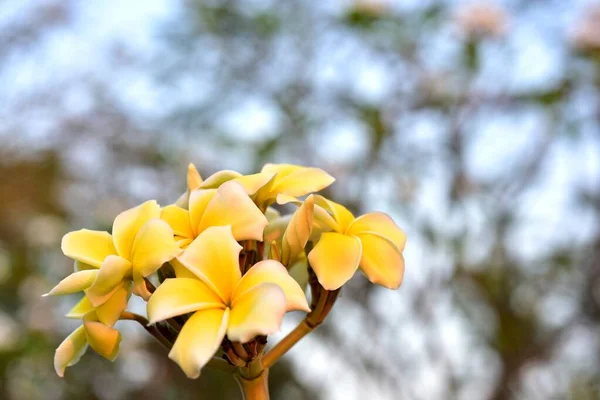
474, 124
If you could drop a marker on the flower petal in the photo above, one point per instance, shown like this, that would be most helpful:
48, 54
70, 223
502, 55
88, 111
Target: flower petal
103, 339
199, 340
127, 225
380, 224
258, 311
82, 308
381, 261
297, 180
219, 178
271, 271
181, 296
181, 270
110, 275
214, 258
193, 177
335, 258
154, 245
298, 232
70, 351
178, 219
341, 214
89, 247
199, 199
109, 312
232, 206
76, 282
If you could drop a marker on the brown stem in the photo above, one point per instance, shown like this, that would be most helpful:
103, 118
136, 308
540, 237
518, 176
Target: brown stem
256, 388
126, 315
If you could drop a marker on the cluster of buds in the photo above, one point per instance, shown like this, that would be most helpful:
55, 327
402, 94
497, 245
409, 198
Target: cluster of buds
220, 268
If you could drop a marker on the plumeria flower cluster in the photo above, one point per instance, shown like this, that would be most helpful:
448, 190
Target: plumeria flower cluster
220, 267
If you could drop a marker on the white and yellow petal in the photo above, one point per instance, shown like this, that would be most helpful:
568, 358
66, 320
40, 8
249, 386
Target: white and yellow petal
296, 180
76, 282
381, 224
112, 273
214, 258
199, 340
127, 225
271, 271
154, 245
80, 309
199, 200
88, 247
381, 261
193, 177
335, 259
258, 311
232, 206
179, 220
341, 214
298, 232
103, 339
181, 296
110, 312
70, 351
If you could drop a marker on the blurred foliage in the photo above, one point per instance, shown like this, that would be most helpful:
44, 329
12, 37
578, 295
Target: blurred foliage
429, 112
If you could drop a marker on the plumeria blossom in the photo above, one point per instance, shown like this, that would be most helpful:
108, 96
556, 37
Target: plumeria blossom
96, 332
140, 243
291, 180
372, 242
221, 301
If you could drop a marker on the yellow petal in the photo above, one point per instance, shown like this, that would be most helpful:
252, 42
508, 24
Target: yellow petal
199, 340
381, 261
89, 247
70, 351
341, 214
193, 177
140, 289
113, 271
214, 258
335, 258
298, 232
219, 178
253, 183
232, 206
179, 220
257, 311
380, 224
271, 271
199, 200
109, 312
181, 296
83, 307
76, 282
154, 245
272, 214
127, 225
180, 270
103, 339
275, 229
296, 180
80, 266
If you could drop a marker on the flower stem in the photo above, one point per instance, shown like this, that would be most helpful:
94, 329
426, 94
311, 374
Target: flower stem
256, 388
126, 315
286, 344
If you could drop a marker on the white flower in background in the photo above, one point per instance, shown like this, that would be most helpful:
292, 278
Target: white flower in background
482, 19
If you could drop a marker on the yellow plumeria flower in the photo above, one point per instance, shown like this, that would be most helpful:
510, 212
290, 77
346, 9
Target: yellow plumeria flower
222, 301
291, 180
372, 242
227, 205
140, 243
96, 331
